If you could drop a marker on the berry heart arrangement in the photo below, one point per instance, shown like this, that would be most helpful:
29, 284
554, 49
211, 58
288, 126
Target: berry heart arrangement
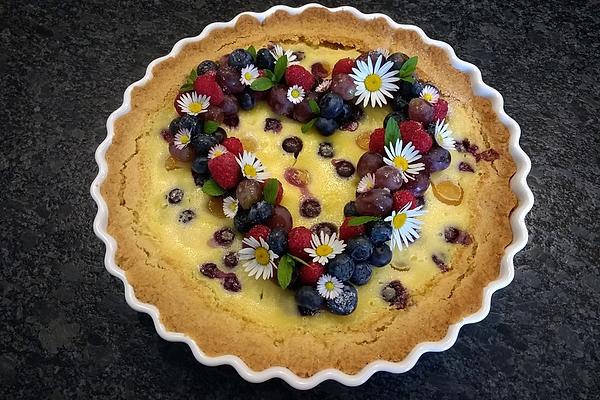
324, 264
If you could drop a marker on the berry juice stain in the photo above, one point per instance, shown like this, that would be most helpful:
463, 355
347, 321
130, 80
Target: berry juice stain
299, 178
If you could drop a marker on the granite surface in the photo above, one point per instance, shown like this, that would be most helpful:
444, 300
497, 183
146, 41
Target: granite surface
66, 331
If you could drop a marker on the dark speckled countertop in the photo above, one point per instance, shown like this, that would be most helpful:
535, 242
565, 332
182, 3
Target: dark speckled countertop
66, 331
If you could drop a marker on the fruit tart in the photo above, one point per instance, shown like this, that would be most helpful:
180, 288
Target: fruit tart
311, 190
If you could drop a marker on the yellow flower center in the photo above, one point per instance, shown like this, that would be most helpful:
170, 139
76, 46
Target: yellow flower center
262, 256
401, 163
329, 286
248, 76
249, 170
195, 108
373, 82
399, 220
184, 139
218, 153
295, 93
427, 97
323, 250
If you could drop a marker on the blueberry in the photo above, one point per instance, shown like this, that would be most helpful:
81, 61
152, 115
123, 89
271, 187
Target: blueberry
344, 168
265, 60
239, 58
260, 212
203, 143
310, 208
308, 300
398, 104
277, 241
205, 66
345, 303
409, 90
325, 150
359, 248
224, 237
292, 145
174, 126
186, 216
220, 135
346, 114
326, 126
175, 196
350, 209
362, 273
200, 165
241, 221
398, 116
326, 227
231, 259
331, 106
382, 255
247, 100
200, 179
341, 266
398, 59
379, 232
193, 124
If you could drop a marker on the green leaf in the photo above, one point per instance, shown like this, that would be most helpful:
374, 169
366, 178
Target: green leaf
392, 132
356, 221
193, 74
270, 190
301, 261
409, 79
210, 126
308, 126
280, 66
261, 84
408, 67
211, 188
252, 52
269, 74
285, 270
187, 87
314, 107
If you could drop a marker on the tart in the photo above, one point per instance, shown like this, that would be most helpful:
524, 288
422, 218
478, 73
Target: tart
309, 191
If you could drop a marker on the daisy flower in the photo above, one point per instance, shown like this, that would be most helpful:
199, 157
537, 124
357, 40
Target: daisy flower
216, 151
405, 226
230, 206
443, 135
259, 259
374, 83
430, 94
182, 138
251, 167
323, 86
324, 247
366, 183
249, 74
382, 51
295, 94
403, 158
193, 104
278, 51
329, 286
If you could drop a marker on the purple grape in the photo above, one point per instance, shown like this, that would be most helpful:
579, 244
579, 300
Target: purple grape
419, 185
281, 218
420, 110
437, 159
230, 105
248, 192
229, 80
343, 85
278, 101
377, 202
185, 154
368, 163
214, 113
388, 177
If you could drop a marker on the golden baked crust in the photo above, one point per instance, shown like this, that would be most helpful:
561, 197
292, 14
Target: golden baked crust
188, 308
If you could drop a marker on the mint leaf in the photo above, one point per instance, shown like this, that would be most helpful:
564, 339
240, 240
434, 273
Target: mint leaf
261, 84
408, 68
270, 190
301, 261
193, 75
269, 74
187, 87
356, 221
211, 188
314, 107
392, 132
280, 66
210, 126
252, 52
285, 270
308, 126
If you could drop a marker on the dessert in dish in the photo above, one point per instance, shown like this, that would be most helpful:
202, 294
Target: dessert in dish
284, 186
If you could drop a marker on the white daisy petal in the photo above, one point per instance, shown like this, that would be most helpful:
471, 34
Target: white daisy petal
182, 138
259, 259
295, 94
324, 247
374, 82
248, 74
216, 151
443, 135
329, 286
430, 94
403, 158
251, 166
193, 104
405, 226
230, 206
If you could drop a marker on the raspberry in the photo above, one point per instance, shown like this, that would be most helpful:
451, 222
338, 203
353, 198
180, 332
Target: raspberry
343, 66
420, 139
377, 141
259, 231
348, 232
310, 274
440, 110
402, 198
297, 75
299, 239
233, 145
207, 85
408, 127
319, 70
225, 170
